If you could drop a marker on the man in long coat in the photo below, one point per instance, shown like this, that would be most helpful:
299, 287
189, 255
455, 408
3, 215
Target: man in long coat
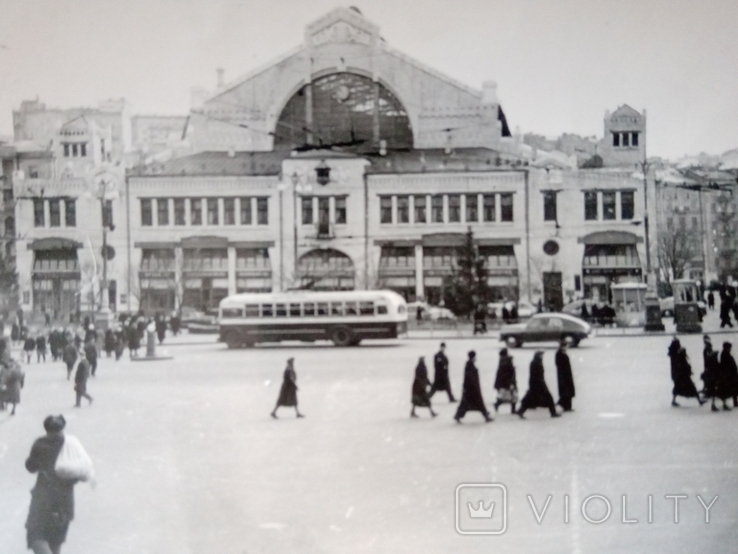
80, 380
538, 395
441, 382
471, 394
420, 396
506, 382
288, 391
565, 378
728, 376
91, 355
70, 357
681, 374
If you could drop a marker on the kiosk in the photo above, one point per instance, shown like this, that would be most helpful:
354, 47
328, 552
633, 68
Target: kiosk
686, 309
628, 300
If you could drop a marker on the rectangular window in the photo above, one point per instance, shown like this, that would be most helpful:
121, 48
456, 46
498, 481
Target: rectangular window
506, 207
66, 149
489, 207
381, 309
246, 211
307, 210
352, 308
608, 205
54, 213
616, 139
75, 151
322, 308
280, 310
309, 309
624, 139
590, 205
107, 214
83, 150
146, 214
324, 210
472, 213
549, 206
262, 211
627, 204
195, 211
336, 308
385, 209
252, 310
341, 210
366, 308
70, 212
437, 208
162, 211
454, 208
682, 222
32, 172
179, 211
419, 202
294, 310
403, 209
267, 310
212, 204
229, 211
634, 139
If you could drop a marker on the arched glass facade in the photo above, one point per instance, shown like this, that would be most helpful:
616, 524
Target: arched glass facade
345, 109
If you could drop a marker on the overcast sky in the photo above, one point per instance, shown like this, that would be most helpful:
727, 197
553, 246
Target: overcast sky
559, 64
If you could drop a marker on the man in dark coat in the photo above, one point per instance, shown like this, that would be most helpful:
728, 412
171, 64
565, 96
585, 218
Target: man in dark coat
471, 393
175, 323
565, 378
70, 357
726, 302
681, 375
134, 339
41, 347
728, 376
80, 380
506, 382
441, 382
109, 342
52, 499
420, 396
29, 345
288, 391
161, 327
711, 300
711, 373
538, 395
91, 355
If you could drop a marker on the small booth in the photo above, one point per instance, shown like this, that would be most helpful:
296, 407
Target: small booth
686, 309
628, 300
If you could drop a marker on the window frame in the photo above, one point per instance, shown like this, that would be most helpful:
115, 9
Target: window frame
147, 213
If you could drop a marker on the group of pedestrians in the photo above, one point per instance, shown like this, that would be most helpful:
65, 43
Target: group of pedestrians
472, 399
719, 377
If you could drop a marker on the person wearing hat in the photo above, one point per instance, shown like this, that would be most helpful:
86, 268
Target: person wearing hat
538, 395
564, 377
80, 379
506, 382
471, 392
420, 396
288, 391
441, 381
711, 372
727, 382
52, 498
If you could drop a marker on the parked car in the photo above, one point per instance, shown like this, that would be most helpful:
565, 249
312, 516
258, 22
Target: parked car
546, 327
525, 309
604, 314
196, 321
433, 313
667, 307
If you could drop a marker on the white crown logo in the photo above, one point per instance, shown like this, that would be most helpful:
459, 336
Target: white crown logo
481, 511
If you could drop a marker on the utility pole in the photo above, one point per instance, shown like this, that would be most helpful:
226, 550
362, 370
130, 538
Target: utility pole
651, 300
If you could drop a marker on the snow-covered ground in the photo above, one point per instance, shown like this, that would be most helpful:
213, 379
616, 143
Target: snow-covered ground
189, 461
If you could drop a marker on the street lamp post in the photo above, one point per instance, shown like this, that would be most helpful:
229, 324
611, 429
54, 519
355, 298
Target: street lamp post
651, 300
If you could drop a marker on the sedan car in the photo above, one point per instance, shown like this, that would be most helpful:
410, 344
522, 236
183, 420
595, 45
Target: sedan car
546, 327
667, 307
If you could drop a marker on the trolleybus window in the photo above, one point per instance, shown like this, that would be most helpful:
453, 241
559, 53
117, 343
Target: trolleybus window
351, 308
309, 309
366, 308
267, 310
281, 310
336, 308
381, 309
232, 312
322, 308
252, 310
294, 310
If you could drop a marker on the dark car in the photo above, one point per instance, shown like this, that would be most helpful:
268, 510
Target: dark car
546, 327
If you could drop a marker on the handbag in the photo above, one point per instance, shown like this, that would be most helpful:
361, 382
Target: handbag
73, 461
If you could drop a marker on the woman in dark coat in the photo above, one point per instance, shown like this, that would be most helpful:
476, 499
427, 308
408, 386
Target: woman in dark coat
681, 374
288, 392
11, 383
134, 339
471, 393
565, 378
711, 373
420, 394
52, 499
728, 375
109, 342
161, 328
506, 382
538, 395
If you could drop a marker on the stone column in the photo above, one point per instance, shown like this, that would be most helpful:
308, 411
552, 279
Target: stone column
231, 270
419, 288
178, 278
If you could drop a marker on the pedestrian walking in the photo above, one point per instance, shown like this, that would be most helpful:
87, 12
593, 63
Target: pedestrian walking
538, 395
134, 340
29, 346
175, 323
441, 381
711, 300
480, 319
80, 380
711, 373
120, 343
726, 303
420, 395
681, 374
288, 391
506, 382
471, 393
52, 498
109, 342
728, 376
161, 327
41, 348
70, 358
91, 355
565, 378
12, 380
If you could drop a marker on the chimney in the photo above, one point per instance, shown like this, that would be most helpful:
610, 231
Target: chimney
221, 72
489, 92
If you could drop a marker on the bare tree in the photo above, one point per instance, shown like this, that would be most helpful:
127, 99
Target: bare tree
724, 229
676, 250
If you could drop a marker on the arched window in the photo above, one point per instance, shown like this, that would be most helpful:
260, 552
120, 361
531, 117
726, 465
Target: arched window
346, 108
326, 269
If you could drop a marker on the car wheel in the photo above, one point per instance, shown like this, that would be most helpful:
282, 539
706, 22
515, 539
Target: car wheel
570, 340
513, 342
341, 336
